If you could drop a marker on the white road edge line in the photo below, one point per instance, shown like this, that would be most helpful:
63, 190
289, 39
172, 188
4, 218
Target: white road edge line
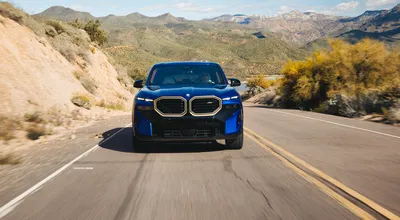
331, 122
8, 207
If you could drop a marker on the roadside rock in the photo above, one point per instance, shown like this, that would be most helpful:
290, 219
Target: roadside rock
51, 31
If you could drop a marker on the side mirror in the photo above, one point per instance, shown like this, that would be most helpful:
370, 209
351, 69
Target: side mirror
234, 82
138, 84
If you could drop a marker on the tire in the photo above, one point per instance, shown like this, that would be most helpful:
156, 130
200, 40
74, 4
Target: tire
235, 144
137, 146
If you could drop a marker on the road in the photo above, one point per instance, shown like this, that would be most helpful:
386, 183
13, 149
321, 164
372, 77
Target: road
294, 165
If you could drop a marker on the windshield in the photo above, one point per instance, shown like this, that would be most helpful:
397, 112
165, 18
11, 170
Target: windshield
186, 75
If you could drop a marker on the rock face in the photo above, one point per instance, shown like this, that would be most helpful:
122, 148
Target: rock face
35, 76
31, 71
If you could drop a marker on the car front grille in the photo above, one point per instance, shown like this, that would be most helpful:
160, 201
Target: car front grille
205, 105
171, 106
187, 133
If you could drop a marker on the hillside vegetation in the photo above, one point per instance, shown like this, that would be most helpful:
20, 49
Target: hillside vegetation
366, 72
136, 42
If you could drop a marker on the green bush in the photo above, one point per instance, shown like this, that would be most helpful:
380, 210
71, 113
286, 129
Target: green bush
95, 33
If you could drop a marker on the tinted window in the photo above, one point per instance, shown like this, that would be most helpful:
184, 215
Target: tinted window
186, 75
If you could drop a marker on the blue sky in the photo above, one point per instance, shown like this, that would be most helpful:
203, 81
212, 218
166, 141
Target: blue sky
196, 9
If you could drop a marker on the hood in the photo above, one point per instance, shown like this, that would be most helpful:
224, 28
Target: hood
153, 92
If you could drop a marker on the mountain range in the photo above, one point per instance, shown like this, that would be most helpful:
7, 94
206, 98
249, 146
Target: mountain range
296, 27
243, 44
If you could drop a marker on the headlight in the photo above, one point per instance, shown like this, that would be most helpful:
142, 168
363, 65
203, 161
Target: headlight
143, 99
229, 98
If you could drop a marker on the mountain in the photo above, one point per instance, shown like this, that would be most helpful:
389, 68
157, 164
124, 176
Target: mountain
386, 20
137, 42
381, 25
65, 14
363, 18
295, 26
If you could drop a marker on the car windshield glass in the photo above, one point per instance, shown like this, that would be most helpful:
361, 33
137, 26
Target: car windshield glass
186, 75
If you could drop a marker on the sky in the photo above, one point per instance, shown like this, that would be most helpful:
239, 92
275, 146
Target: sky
200, 9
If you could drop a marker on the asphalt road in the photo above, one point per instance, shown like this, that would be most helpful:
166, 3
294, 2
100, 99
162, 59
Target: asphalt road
294, 165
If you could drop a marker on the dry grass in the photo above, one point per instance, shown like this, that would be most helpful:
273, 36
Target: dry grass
112, 106
88, 83
7, 128
9, 159
36, 117
9, 11
56, 25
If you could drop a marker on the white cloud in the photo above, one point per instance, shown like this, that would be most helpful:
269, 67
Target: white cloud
376, 4
192, 7
284, 9
346, 6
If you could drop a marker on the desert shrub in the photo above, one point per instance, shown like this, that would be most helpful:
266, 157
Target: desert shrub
35, 131
36, 117
81, 100
68, 52
260, 81
9, 159
353, 70
56, 25
9, 11
93, 50
77, 24
113, 105
95, 32
88, 83
7, 128
137, 74
77, 74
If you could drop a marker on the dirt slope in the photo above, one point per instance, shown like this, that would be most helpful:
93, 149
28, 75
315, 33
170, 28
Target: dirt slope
33, 75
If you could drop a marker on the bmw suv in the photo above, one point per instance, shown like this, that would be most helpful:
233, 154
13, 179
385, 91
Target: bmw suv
187, 101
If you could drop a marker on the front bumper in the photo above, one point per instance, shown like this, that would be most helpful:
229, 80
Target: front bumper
226, 124
187, 138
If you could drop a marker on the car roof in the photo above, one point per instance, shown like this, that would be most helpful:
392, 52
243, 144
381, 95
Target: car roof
199, 63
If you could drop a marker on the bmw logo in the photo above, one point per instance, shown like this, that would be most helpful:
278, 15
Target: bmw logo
187, 95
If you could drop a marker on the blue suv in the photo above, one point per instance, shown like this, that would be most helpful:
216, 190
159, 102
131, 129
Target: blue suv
187, 101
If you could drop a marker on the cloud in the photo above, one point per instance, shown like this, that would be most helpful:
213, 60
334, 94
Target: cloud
346, 6
375, 4
192, 7
284, 9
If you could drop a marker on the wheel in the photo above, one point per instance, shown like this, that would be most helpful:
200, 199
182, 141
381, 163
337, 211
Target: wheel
235, 144
137, 146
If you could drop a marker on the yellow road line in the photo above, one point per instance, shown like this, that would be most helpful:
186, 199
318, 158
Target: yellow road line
340, 199
268, 145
